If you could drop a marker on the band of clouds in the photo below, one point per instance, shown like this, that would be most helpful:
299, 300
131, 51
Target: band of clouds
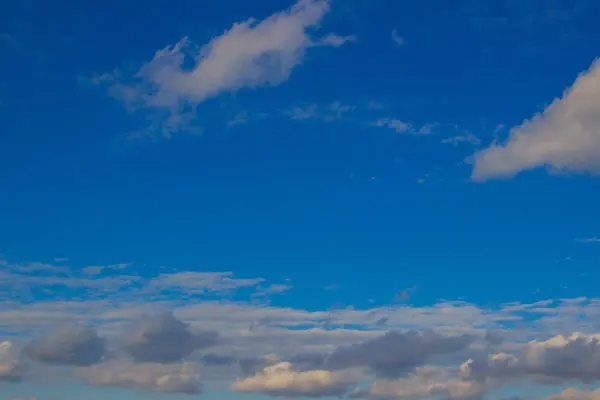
455, 350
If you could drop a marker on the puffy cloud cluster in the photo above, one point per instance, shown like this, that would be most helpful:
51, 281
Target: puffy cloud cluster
397, 353
157, 345
561, 358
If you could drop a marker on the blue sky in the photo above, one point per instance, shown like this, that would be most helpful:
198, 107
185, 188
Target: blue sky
299, 179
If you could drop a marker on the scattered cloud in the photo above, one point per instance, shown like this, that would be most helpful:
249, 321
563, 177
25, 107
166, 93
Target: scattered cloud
564, 137
250, 54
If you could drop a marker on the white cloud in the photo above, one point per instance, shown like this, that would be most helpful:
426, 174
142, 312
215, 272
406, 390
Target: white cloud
281, 380
250, 54
564, 137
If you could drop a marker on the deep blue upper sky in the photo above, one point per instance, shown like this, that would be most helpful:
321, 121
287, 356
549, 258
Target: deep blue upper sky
312, 175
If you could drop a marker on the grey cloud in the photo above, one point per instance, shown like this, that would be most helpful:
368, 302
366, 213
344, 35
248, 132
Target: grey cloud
252, 365
217, 360
559, 359
396, 353
162, 338
493, 338
173, 378
10, 372
73, 345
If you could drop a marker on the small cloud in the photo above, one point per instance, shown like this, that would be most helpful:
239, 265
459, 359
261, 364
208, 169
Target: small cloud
241, 118
398, 125
399, 40
594, 239
467, 138
404, 127
427, 129
374, 105
299, 113
336, 40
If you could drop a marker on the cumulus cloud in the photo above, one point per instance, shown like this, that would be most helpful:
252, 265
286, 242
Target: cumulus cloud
282, 380
250, 54
561, 358
424, 383
396, 353
174, 378
74, 345
564, 137
162, 338
10, 368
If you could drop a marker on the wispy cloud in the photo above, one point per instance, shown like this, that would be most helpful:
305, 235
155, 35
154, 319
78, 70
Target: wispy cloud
250, 54
397, 38
594, 239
